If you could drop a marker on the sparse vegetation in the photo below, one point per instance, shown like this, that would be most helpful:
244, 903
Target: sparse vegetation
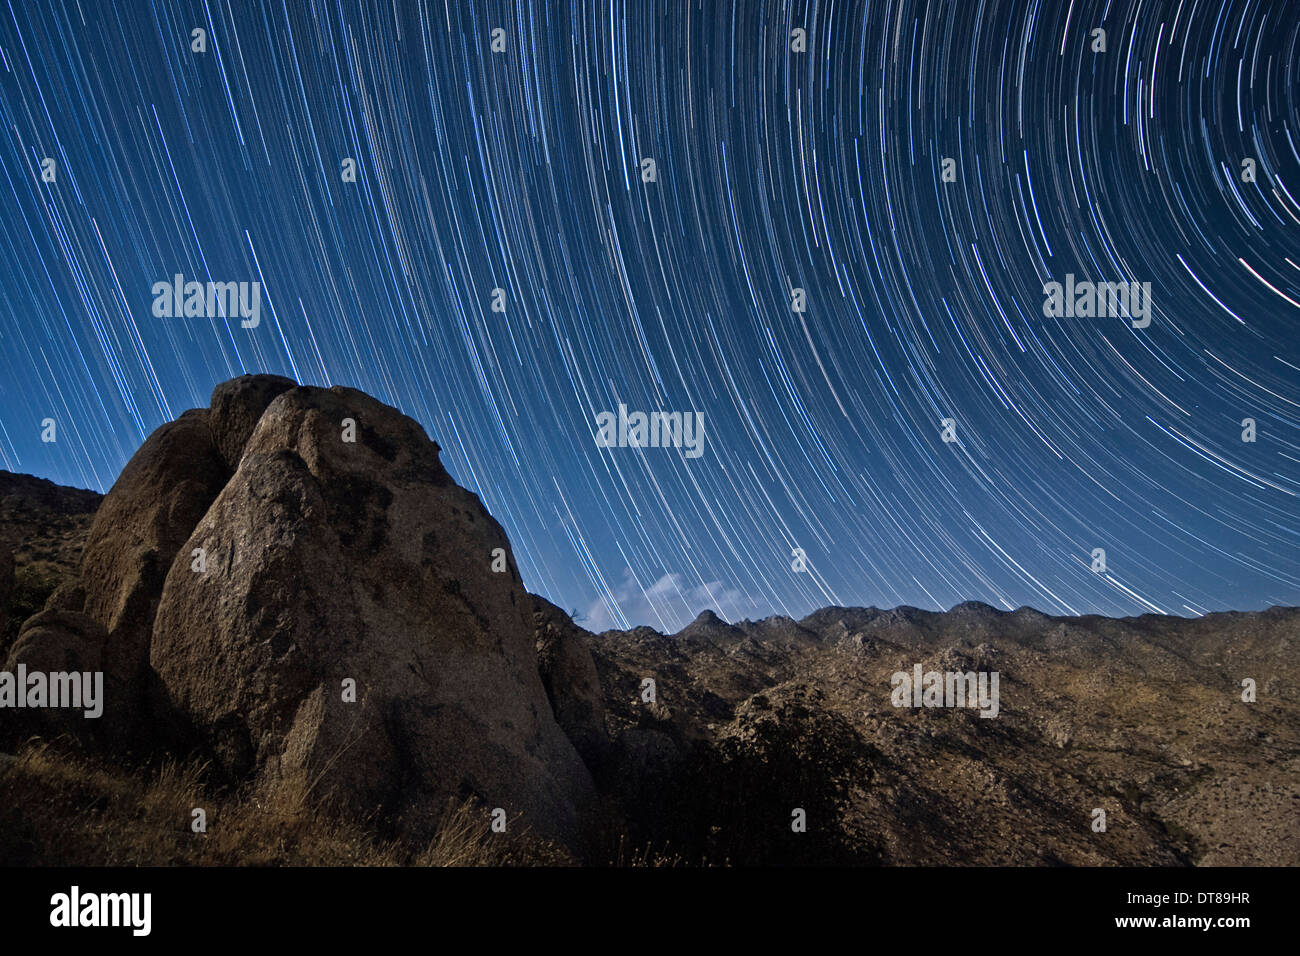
60, 808
33, 585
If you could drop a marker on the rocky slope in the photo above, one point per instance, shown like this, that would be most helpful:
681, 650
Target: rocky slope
288, 585
42, 531
1140, 717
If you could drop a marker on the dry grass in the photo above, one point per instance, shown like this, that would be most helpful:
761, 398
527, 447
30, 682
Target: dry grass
33, 584
58, 808
626, 855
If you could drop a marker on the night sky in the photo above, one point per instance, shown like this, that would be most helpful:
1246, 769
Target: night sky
775, 170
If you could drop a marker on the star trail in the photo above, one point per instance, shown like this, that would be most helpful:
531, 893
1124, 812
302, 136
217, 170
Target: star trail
843, 243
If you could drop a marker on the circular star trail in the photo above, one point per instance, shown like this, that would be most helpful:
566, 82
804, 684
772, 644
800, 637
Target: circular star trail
799, 157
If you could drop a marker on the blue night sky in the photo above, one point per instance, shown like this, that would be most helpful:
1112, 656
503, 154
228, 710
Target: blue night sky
775, 170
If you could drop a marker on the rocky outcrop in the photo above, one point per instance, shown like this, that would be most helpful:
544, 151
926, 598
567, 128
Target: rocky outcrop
290, 582
572, 685
150, 512
349, 639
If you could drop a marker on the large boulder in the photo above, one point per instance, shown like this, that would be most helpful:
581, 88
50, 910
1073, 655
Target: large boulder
336, 564
235, 409
56, 641
139, 529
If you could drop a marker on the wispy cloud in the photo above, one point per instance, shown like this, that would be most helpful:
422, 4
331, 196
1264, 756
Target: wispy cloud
667, 605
